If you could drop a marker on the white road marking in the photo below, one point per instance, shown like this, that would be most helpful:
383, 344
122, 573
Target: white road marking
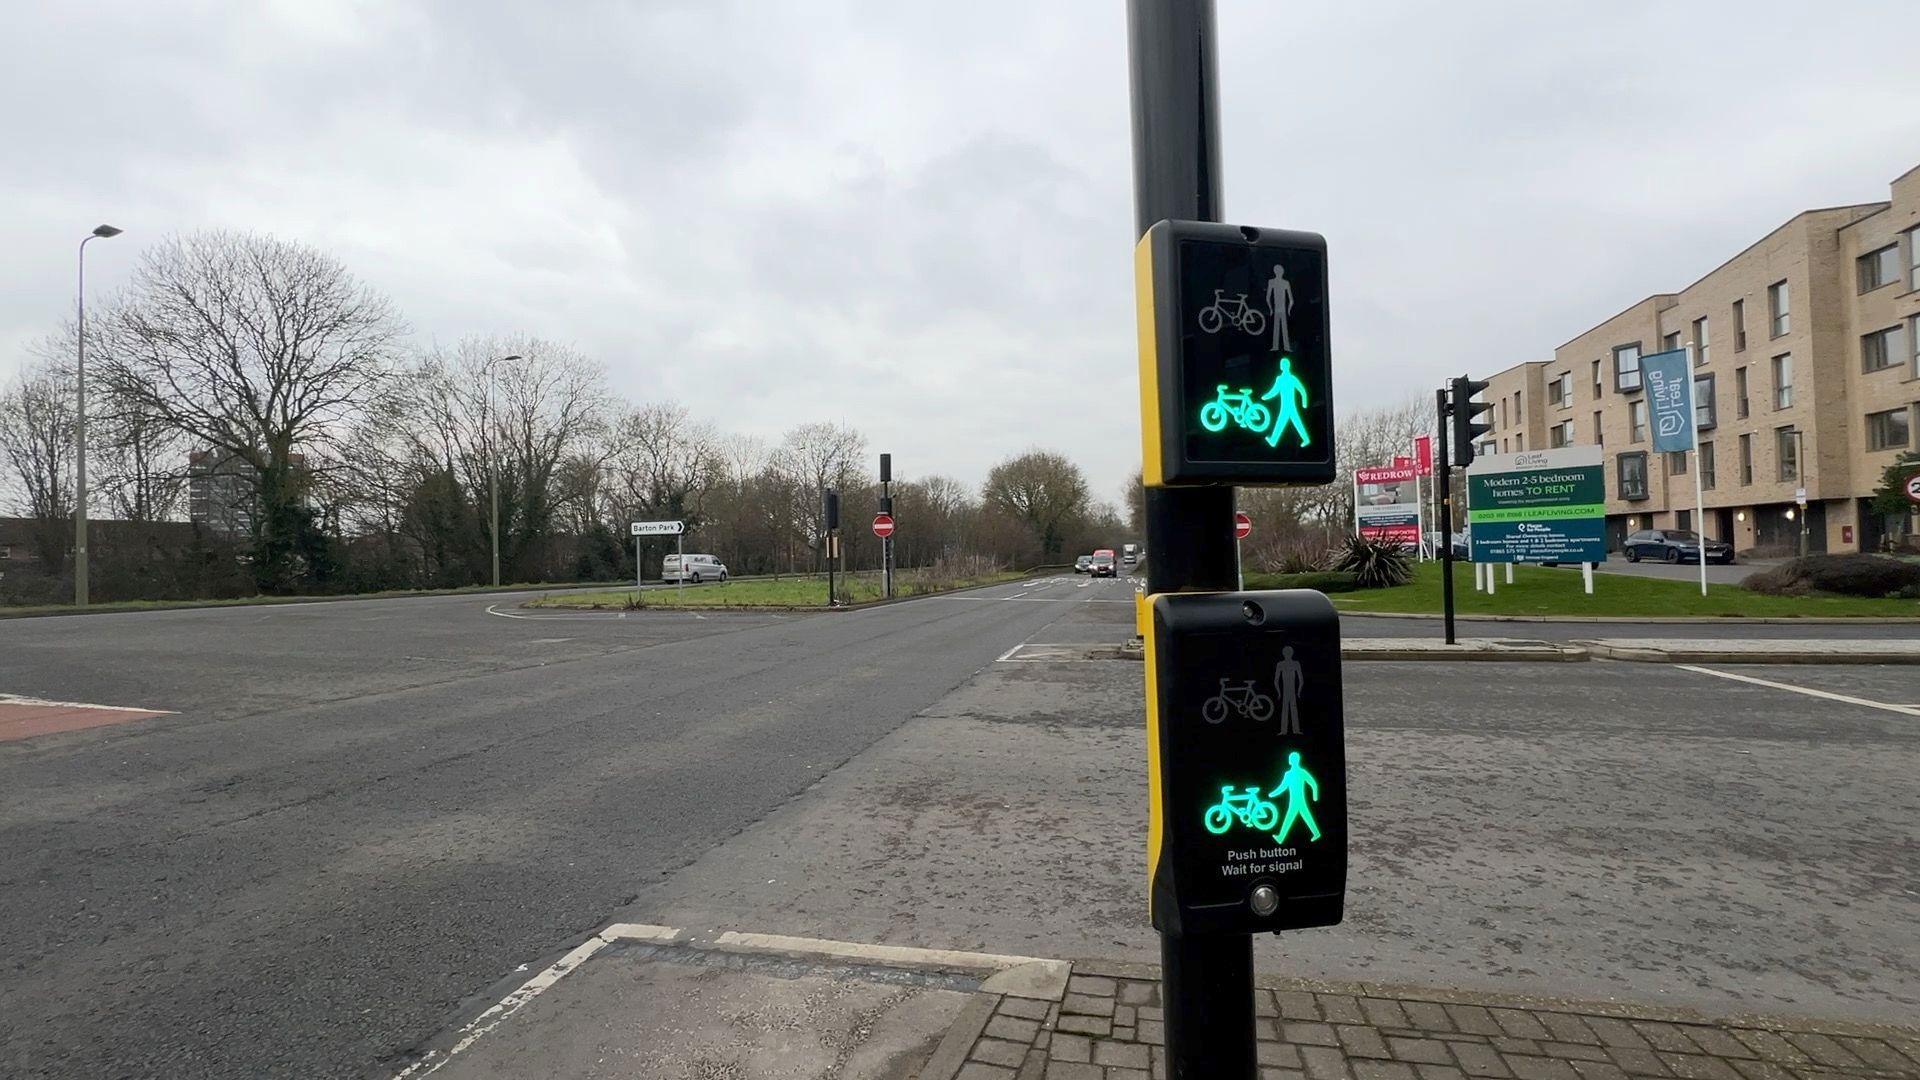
1904, 710
16, 699
507, 1006
548, 640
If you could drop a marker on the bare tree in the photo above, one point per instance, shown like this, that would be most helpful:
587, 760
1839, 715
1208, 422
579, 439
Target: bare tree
1043, 490
819, 456
533, 427
257, 348
36, 440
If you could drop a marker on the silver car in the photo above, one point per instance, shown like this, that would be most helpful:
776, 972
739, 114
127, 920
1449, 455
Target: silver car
694, 570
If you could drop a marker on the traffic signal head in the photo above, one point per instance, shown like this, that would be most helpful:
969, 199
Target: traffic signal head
832, 510
1235, 367
1246, 762
1467, 430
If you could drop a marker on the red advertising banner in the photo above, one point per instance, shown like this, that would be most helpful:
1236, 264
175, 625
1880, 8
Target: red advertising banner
1383, 474
1423, 454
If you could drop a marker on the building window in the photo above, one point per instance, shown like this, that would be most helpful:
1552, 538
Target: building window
1913, 258
6, 552
1519, 442
1632, 471
1599, 431
1637, 421
1670, 342
1746, 460
1786, 451
1913, 343
1560, 390
1740, 406
1739, 326
1560, 434
1519, 409
1883, 349
1783, 381
1489, 448
1677, 463
1706, 411
1596, 380
1503, 412
1778, 309
1890, 430
1700, 342
1706, 464
1626, 367
1877, 268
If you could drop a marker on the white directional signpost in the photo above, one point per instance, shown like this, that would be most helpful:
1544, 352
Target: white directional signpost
677, 529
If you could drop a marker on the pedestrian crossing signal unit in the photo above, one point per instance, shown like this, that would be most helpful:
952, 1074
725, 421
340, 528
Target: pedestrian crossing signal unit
1246, 762
1236, 379
1466, 429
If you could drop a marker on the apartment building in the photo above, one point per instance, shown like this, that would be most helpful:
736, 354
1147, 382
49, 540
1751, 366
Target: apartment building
1806, 375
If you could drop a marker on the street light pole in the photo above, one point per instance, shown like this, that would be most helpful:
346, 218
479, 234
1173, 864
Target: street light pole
493, 464
100, 232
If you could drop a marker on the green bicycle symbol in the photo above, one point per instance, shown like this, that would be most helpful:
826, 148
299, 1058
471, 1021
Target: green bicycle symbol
1238, 407
1253, 811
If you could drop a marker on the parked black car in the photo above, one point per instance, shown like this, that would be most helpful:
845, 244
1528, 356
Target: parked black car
1674, 545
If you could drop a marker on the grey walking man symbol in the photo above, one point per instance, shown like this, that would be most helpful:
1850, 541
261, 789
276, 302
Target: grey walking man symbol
1287, 680
1280, 302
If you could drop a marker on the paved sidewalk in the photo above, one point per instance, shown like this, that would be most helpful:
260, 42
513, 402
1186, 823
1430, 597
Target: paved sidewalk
1108, 1025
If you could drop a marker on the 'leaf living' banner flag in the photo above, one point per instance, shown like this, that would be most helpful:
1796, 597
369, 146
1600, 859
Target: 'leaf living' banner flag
1668, 378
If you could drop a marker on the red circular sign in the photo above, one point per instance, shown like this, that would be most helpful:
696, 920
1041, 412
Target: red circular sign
883, 525
1913, 487
1242, 525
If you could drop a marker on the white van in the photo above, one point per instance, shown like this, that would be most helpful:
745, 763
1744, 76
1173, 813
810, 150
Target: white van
698, 568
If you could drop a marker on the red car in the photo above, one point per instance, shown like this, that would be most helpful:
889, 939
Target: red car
1104, 564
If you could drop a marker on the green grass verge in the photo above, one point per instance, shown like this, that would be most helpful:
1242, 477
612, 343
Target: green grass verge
118, 606
799, 591
1542, 590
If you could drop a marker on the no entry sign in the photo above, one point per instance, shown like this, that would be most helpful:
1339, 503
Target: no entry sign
883, 525
1242, 525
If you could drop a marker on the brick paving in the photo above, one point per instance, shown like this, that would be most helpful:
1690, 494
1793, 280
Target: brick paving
1107, 1024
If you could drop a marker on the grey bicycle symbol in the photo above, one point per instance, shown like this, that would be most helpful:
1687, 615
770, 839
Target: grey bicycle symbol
1235, 312
1242, 699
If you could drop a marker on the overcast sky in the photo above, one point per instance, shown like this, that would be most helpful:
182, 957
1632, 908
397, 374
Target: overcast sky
916, 217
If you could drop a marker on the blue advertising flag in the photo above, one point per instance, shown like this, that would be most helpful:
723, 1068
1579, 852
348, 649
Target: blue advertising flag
1669, 382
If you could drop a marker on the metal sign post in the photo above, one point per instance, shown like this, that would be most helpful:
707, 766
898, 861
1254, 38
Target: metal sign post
886, 538
657, 528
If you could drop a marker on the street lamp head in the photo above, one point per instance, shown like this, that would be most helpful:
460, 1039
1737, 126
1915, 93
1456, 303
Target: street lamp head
104, 231
510, 359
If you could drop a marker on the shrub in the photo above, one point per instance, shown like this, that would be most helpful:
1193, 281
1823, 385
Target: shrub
1849, 575
1326, 581
1299, 560
1374, 565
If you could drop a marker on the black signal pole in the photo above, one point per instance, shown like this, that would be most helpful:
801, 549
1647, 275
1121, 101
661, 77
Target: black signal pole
1208, 978
1445, 465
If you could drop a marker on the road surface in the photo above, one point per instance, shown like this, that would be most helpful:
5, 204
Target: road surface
355, 822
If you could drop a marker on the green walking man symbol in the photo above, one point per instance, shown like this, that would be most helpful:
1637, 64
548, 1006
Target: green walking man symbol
1293, 397
1295, 784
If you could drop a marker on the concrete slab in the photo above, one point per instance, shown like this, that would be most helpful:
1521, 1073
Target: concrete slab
647, 1010
1756, 651
1503, 649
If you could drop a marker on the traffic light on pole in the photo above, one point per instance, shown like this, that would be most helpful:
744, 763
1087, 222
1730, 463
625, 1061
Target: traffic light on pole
1467, 430
1236, 369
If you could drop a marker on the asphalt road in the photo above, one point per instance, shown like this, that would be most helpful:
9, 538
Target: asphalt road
359, 815
362, 819
1596, 831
